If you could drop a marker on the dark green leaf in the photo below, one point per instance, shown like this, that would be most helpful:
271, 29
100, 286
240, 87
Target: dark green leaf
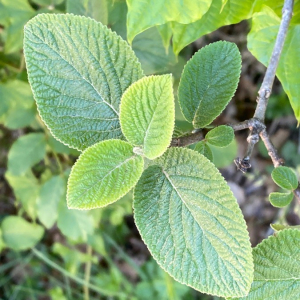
208, 82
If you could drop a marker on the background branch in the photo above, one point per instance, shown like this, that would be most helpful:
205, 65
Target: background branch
266, 87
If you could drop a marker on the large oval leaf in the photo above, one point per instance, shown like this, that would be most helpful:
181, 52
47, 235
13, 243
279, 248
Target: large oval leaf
103, 174
276, 267
147, 114
208, 82
192, 225
78, 70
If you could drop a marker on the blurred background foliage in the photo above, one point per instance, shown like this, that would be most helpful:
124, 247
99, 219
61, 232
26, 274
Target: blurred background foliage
50, 252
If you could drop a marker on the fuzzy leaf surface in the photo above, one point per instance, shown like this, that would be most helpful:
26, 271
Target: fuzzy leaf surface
276, 267
103, 174
192, 225
220, 136
208, 82
285, 178
147, 114
261, 40
145, 14
281, 199
78, 70
19, 234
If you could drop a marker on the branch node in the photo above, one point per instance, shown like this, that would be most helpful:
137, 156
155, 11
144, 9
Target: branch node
242, 164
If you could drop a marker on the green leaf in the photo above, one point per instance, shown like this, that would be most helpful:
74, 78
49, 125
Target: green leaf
103, 174
145, 14
17, 12
52, 191
59, 147
151, 52
73, 258
205, 150
261, 40
25, 152
48, 2
281, 199
285, 178
2, 244
165, 32
74, 224
220, 136
94, 9
277, 6
216, 17
17, 107
26, 189
78, 76
18, 234
208, 82
279, 227
147, 114
276, 267
192, 225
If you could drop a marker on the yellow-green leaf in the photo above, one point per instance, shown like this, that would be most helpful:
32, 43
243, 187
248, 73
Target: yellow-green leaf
147, 114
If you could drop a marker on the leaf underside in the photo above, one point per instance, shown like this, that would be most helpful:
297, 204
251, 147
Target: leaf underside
78, 70
103, 174
192, 225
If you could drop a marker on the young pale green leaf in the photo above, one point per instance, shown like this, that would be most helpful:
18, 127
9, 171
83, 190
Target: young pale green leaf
52, 191
217, 16
192, 225
145, 14
25, 152
19, 234
285, 178
78, 70
220, 136
279, 227
205, 150
103, 174
147, 114
261, 40
208, 82
281, 199
276, 267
